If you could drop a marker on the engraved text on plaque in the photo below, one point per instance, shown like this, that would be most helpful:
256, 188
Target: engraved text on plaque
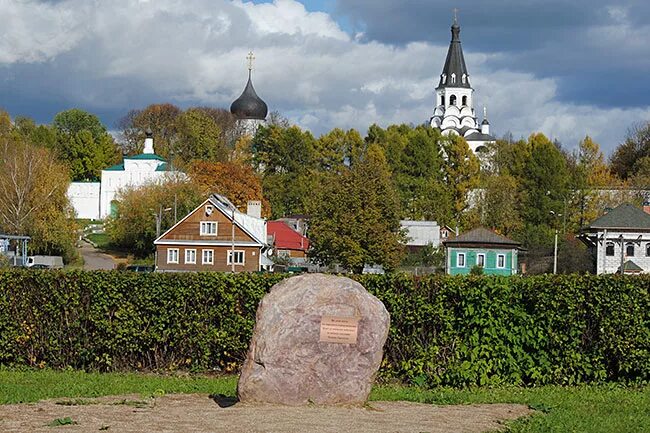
336, 329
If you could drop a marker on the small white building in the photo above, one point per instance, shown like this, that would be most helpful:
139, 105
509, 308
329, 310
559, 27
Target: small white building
454, 112
422, 233
620, 239
96, 200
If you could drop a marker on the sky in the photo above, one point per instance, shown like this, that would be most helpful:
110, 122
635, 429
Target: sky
567, 69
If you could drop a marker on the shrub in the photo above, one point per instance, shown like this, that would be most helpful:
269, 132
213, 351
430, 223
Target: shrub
444, 330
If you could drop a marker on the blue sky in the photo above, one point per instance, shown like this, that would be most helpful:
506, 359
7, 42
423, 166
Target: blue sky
567, 69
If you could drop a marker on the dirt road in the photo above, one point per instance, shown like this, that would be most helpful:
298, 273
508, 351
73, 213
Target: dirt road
195, 413
95, 259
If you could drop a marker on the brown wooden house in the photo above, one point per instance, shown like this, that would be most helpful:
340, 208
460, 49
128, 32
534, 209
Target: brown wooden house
215, 236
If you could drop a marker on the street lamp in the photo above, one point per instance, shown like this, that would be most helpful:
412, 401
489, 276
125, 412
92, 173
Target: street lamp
159, 219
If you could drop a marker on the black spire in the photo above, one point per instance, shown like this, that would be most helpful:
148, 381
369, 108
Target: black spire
455, 69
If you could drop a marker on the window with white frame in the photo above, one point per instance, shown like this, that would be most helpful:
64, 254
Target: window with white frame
460, 260
208, 228
480, 260
190, 256
172, 255
501, 261
207, 257
238, 255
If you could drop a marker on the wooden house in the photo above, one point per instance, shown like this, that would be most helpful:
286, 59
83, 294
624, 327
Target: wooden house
215, 236
496, 254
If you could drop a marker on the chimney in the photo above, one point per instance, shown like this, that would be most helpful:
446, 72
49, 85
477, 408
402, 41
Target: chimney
148, 142
646, 206
254, 208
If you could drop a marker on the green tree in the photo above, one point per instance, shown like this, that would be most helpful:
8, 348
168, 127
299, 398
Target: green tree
461, 169
546, 182
84, 144
332, 151
199, 138
286, 160
355, 220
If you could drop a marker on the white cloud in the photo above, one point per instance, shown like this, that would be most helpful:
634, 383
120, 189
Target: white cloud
126, 54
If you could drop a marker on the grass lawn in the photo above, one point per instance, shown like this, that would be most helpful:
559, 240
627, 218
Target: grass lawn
100, 239
608, 408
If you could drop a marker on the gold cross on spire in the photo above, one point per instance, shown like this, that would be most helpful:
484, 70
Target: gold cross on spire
250, 59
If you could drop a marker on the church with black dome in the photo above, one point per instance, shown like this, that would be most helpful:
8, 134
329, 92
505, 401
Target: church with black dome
249, 109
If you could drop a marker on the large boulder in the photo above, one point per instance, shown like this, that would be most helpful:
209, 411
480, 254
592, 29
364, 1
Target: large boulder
317, 339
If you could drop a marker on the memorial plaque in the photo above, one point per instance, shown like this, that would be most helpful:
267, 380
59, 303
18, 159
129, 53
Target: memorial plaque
337, 329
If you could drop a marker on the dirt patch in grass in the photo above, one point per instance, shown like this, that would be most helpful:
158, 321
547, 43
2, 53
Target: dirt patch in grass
200, 413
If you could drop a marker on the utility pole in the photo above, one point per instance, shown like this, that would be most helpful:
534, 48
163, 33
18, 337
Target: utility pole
232, 251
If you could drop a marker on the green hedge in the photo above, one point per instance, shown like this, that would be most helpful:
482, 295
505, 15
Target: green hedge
444, 330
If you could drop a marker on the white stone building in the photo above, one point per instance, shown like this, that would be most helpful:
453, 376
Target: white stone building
95, 200
620, 238
454, 112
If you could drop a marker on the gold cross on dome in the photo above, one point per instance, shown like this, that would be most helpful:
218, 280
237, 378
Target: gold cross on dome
250, 59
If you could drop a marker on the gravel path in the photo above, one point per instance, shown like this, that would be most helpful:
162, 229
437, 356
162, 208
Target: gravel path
193, 413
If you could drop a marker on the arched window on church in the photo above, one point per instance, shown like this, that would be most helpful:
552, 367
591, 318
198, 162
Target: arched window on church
464, 78
629, 250
442, 100
647, 250
453, 78
609, 249
452, 100
444, 78
464, 100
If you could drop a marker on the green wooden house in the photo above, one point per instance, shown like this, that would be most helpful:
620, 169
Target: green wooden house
496, 254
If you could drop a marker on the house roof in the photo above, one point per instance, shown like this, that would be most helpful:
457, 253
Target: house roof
254, 227
625, 216
631, 267
481, 236
285, 237
146, 156
141, 157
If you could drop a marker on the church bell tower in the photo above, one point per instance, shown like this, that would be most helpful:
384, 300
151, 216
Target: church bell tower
454, 112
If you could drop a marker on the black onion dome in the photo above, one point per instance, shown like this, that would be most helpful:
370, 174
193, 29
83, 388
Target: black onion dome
249, 105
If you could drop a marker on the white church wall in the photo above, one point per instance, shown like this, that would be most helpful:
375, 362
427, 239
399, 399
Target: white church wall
84, 198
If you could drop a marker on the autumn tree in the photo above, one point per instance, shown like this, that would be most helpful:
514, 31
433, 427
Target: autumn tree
238, 182
133, 227
590, 176
636, 146
83, 143
355, 219
159, 118
33, 200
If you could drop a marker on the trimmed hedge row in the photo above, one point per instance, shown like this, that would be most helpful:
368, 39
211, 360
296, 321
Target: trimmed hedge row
444, 330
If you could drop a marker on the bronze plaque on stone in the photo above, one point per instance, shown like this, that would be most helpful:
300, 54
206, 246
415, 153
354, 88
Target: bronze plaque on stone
336, 329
